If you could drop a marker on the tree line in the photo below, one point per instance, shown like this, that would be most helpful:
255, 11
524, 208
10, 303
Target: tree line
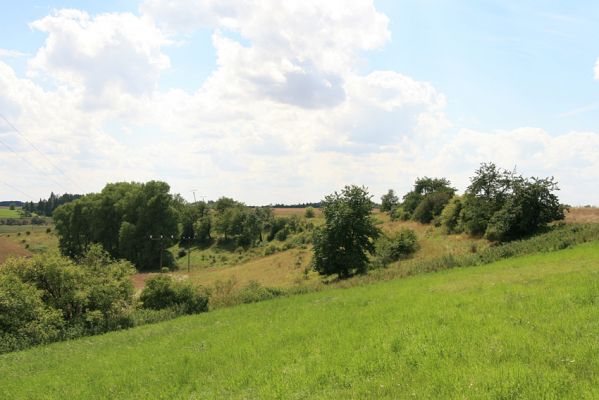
138, 221
47, 206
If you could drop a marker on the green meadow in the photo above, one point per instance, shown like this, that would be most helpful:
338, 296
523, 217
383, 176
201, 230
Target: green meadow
524, 327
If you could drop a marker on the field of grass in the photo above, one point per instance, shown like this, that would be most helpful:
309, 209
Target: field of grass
6, 212
37, 241
520, 328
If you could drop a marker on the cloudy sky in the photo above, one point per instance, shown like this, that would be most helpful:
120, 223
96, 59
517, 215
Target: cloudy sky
270, 101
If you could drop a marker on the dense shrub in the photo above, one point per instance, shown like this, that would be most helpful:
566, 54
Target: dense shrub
73, 299
391, 249
163, 292
450, 216
309, 213
431, 206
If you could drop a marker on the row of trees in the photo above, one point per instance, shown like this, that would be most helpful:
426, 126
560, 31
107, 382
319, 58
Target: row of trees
138, 221
498, 204
47, 206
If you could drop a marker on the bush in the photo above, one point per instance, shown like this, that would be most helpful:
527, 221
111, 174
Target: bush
255, 292
93, 296
271, 249
391, 249
164, 292
309, 213
450, 216
181, 253
399, 214
281, 235
431, 206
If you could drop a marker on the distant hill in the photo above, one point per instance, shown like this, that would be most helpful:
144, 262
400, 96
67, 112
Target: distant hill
15, 203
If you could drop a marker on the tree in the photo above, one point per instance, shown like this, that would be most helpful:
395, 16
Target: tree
342, 244
389, 201
121, 218
427, 199
504, 206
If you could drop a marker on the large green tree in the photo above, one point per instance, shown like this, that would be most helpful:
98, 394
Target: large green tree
121, 218
504, 206
389, 201
342, 245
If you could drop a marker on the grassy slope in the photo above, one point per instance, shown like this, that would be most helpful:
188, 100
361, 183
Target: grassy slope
520, 328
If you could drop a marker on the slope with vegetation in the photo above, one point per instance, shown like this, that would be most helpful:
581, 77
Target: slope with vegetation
520, 328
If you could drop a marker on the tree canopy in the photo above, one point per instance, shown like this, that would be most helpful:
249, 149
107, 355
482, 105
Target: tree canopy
342, 244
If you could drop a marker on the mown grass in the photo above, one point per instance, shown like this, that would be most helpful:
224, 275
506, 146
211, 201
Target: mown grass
520, 328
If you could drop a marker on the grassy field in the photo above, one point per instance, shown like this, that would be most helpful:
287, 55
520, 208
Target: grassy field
6, 212
521, 328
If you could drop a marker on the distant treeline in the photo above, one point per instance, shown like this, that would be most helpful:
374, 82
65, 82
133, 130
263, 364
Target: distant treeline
15, 203
299, 205
47, 206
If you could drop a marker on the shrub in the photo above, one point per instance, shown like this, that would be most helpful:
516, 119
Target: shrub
48, 230
391, 249
309, 213
399, 214
270, 249
181, 253
163, 291
450, 216
431, 206
281, 235
255, 292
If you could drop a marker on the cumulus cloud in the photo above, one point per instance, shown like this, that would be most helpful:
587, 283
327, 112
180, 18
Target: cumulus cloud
287, 115
102, 56
298, 52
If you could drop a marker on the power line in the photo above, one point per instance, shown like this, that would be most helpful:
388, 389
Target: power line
18, 190
39, 151
31, 164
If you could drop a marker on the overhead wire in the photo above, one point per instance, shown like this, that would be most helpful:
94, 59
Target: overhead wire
32, 165
41, 152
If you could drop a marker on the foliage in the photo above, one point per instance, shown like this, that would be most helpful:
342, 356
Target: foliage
426, 201
390, 249
342, 244
505, 206
65, 299
47, 207
431, 206
309, 213
163, 291
121, 218
450, 216
389, 201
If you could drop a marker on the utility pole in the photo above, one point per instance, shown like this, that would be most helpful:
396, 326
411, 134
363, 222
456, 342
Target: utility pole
161, 239
188, 239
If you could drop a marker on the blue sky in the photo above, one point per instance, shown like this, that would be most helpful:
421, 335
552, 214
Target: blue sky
230, 98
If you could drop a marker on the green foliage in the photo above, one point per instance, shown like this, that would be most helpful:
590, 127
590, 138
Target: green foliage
309, 213
389, 201
163, 291
390, 249
121, 218
504, 206
431, 206
450, 216
25, 320
69, 299
426, 201
342, 244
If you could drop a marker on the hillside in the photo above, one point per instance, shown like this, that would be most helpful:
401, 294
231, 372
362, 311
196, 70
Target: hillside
521, 328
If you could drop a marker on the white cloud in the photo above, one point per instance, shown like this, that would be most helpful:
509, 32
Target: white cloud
11, 53
597, 69
102, 56
287, 114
